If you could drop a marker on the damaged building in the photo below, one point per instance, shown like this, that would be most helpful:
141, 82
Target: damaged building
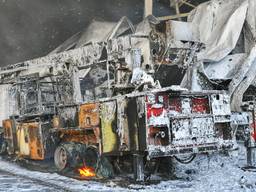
120, 94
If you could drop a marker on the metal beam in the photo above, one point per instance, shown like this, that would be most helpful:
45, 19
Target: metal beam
177, 8
148, 7
173, 16
186, 3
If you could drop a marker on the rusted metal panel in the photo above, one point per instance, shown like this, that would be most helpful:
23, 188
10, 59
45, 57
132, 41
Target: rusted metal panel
22, 138
30, 140
108, 125
35, 141
88, 124
89, 115
7, 124
10, 135
88, 137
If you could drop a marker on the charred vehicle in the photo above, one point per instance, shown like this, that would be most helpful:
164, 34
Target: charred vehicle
154, 124
140, 93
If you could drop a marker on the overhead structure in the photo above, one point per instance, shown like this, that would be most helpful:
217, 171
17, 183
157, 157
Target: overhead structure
177, 6
148, 9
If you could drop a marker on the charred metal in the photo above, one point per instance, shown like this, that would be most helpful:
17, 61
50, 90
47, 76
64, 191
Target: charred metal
145, 92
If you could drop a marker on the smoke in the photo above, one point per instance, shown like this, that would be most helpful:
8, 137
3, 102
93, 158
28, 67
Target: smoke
33, 28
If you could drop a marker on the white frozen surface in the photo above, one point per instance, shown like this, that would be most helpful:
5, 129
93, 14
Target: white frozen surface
11, 183
226, 68
218, 24
55, 179
216, 173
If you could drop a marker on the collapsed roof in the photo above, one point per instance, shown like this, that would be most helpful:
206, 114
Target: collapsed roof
228, 30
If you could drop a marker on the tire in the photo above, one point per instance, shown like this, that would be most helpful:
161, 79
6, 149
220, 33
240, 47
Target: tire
70, 155
61, 157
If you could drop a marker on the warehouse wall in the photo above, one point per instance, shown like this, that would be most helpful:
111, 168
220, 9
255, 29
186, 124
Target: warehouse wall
4, 104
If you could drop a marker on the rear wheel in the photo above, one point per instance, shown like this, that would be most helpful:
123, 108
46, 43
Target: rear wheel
75, 155
72, 155
61, 157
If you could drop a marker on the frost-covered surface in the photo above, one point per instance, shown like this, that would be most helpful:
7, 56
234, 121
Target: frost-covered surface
216, 173
11, 183
55, 179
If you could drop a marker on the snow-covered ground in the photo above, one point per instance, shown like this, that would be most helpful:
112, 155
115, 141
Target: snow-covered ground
12, 183
213, 173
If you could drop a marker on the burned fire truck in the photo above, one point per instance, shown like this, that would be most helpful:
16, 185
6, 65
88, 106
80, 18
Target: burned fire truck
123, 93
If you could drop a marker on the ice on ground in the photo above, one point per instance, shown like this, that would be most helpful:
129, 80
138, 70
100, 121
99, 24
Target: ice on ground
12, 183
215, 172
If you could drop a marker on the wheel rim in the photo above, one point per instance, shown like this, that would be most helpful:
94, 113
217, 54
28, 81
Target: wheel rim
61, 158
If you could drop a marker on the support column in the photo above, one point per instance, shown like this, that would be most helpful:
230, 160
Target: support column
148, 9
177, 8
138, 167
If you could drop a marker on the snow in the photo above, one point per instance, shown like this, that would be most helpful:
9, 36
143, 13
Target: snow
11, 183
215, 172
55, 179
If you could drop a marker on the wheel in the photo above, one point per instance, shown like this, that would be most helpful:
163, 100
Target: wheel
61, 157
68, 155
